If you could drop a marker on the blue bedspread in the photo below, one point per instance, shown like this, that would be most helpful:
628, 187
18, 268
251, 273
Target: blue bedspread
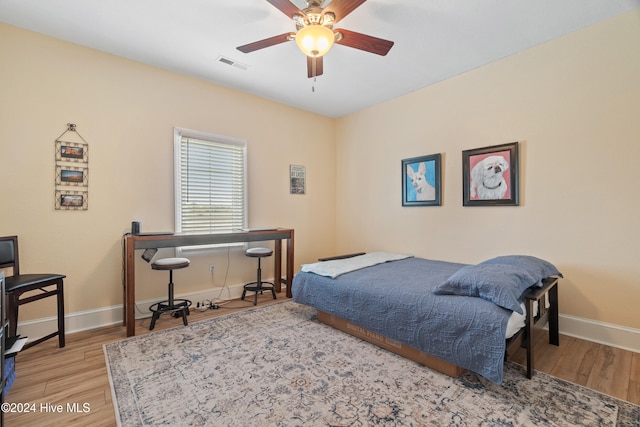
395, 300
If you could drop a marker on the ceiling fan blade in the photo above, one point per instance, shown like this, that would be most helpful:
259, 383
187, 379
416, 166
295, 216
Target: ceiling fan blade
364, 42
342, 8
261, 44
314, 66
286, 7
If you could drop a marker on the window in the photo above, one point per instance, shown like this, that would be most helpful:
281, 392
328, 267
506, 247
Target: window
210, 182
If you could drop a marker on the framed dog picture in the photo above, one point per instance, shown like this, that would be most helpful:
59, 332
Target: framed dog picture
490, 176
421, 181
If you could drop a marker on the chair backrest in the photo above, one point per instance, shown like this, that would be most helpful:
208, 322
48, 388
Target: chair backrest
9, 253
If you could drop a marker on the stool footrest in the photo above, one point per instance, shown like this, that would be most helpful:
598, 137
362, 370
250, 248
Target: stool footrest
180, 308
258, 287
255, 286
164, 307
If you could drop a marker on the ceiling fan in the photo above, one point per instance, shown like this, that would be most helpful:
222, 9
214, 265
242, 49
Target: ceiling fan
315, 34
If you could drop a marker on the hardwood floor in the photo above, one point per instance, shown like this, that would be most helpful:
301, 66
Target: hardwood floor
75, 377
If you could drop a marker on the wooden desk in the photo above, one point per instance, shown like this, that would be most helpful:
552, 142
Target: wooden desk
131, 243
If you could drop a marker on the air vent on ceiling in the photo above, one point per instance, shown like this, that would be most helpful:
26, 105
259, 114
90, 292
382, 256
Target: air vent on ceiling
231, 62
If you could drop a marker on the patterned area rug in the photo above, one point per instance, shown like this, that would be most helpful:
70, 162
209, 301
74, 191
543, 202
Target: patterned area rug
277, 366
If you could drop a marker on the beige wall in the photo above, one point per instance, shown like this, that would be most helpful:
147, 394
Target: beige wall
574, 105
126, 111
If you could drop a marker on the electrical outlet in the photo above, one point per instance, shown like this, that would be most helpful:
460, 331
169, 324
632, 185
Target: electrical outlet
212, 268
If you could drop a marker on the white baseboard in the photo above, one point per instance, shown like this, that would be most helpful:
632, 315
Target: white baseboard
107, 316
601, 332
590, 330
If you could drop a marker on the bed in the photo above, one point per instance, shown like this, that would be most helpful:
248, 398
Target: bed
448, 316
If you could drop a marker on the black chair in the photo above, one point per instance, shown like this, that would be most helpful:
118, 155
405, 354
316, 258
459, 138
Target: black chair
47, 285
258, 286
178, 307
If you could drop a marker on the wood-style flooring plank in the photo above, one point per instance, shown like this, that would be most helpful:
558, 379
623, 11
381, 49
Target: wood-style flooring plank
578, 357
633, 394
610, 369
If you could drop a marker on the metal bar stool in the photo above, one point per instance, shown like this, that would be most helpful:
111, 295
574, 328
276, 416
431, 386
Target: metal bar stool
258, 286
179, 307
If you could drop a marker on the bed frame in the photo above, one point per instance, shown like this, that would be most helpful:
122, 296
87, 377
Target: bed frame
525, 338
536, 321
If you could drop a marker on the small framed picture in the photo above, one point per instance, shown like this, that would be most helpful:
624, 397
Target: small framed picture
490, 176
71, 151
71, 175
421, 183
71, 200
298, 179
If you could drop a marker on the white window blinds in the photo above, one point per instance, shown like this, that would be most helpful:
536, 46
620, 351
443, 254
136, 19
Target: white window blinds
211, 192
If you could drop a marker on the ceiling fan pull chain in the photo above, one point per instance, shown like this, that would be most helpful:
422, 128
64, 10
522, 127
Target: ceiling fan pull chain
314, 71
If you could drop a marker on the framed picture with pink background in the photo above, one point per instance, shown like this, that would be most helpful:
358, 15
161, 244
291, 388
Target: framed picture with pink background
490, 176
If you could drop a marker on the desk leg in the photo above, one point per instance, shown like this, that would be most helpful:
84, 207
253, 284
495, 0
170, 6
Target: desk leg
129, 286
124, 281
277, 267
290, 265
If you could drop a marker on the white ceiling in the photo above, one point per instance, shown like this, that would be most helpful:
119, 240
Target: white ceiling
434, 40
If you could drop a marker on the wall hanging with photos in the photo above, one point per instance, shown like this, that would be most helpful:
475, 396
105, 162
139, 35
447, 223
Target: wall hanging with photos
72, 171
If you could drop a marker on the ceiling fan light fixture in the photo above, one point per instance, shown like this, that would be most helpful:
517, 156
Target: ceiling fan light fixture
315, 40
